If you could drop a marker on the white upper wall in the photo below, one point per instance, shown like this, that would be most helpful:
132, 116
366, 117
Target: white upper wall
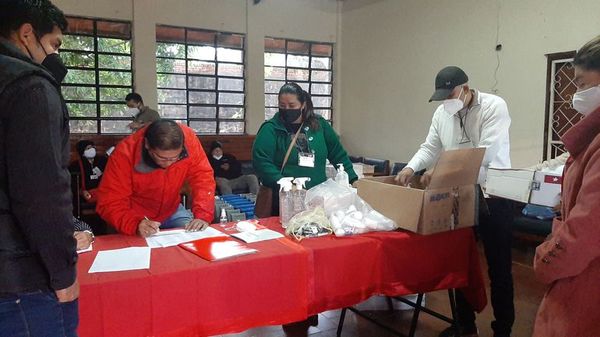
312, 20
393, 49
386, 57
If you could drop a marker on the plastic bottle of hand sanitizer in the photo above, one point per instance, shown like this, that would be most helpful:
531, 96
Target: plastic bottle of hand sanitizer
223, 219
285, 200
299, 194
342, 177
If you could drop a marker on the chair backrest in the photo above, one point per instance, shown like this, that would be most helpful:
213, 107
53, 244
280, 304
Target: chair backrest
247, 167
382, 166
355, 159
397, 167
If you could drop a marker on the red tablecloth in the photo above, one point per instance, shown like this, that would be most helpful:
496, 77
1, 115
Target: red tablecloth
183, 295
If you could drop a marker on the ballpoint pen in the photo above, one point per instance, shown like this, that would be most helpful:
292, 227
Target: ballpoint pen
146, 218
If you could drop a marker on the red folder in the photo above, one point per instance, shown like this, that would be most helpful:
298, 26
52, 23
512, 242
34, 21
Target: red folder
217, 248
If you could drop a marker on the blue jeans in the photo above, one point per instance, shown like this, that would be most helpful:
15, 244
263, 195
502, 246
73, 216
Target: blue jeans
37, 314
179, 219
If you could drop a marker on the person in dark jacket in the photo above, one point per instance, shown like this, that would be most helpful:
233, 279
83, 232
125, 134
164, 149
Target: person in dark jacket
228, 172
91, 168
38, 284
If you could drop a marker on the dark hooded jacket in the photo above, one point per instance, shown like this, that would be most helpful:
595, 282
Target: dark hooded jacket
37, 248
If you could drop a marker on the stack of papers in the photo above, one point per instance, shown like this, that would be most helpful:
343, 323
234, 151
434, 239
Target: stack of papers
132, 258
174, 237
258, 235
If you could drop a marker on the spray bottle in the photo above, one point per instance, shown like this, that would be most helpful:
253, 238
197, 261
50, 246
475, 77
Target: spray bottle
286, 206
342, 177
223, 219
299, 194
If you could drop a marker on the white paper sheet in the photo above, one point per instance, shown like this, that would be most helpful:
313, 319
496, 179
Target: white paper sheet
257, 235
175, 237
131, 258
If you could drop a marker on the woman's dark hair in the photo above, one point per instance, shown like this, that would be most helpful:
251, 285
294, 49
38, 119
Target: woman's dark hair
164, 134
308, 114
588, 56
43, 15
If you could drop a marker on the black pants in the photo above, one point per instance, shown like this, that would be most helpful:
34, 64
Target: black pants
495, 232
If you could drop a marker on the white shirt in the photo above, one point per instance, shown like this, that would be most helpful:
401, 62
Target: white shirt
486, 124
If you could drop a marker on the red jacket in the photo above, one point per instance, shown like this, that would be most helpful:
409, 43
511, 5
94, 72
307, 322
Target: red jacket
127, 193
569, 262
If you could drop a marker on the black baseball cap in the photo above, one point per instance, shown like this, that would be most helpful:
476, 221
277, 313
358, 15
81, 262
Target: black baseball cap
446, 80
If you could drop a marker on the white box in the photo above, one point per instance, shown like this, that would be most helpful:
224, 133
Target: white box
527, 186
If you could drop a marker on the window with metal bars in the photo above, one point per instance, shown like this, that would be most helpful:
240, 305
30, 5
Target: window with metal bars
98, 55
560, 115
200, 79
310, 64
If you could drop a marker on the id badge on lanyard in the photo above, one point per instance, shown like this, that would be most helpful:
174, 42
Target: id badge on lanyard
306, 159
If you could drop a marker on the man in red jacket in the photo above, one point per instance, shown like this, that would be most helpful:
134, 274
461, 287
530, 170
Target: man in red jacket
139, 192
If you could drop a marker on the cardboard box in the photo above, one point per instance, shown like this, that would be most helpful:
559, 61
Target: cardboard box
527, 186
449, 202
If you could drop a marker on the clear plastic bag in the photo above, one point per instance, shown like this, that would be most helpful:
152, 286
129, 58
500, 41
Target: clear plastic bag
331, 196
309, 223
346, 211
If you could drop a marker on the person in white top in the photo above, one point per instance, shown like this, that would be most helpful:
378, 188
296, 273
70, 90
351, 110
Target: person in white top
468, 118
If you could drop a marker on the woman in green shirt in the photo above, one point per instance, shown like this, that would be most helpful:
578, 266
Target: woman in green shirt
316, 142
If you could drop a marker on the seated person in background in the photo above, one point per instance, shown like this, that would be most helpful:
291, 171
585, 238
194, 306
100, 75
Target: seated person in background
228, 172
142, 115
83, 234
91, 168
140, 189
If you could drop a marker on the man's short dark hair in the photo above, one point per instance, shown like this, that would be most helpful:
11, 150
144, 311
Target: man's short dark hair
43, 16
135, 97
588, 56
164, 134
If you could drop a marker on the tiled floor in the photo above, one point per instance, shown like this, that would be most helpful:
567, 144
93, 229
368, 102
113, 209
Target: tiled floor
528, 294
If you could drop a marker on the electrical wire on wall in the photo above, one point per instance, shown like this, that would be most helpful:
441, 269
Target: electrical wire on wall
498, 48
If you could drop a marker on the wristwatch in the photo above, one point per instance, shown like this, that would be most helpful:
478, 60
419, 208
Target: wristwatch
91, 234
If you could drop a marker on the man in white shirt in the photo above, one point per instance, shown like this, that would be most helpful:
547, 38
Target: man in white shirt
467, 119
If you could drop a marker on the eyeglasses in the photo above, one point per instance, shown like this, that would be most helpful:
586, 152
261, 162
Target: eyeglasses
168, 159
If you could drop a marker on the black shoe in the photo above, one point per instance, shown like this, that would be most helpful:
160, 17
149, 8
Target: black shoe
463, 332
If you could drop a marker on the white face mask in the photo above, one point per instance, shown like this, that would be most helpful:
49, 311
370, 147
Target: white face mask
133, 111
587, 101
90, 153
454, 105
218, 157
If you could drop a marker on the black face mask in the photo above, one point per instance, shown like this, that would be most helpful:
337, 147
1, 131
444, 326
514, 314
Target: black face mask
289, 116
55, 66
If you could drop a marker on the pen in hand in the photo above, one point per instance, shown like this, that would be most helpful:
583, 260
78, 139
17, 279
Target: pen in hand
156, 230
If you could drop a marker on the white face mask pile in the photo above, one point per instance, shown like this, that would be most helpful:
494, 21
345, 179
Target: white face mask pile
587, 101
